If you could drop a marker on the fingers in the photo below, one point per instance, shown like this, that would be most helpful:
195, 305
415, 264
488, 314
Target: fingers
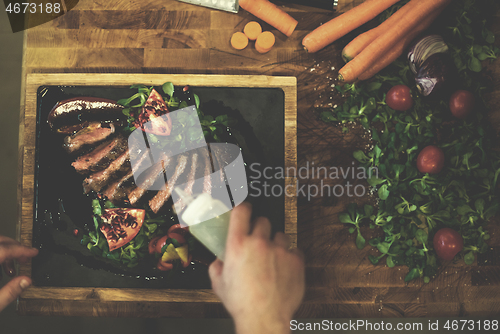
10, 251
12, 290
298, 252
282, 240
262, 228
239, 225
215, 272
8, 268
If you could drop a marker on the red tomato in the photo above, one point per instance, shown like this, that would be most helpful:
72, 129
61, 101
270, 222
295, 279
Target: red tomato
177, 228
461, 103
180, 239
160, 243
399, 98
152, 244
448, 243
164, 266
430, 160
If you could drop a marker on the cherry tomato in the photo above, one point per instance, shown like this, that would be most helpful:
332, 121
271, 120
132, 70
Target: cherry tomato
177, 228
164, 266
448, 243
430, 160
152, 244
160, 243
461, 103
399, 98
180, 239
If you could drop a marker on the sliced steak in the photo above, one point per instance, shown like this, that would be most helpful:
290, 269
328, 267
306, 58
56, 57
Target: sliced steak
118, 167
188, 189
118, 190
218, 161
98, 180
157, 202
90, 135
153, 173
207, 176
100, 158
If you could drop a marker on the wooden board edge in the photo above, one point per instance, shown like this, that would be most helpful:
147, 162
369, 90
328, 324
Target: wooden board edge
291, 161
92, 308
24, 226
122, 79
119, 295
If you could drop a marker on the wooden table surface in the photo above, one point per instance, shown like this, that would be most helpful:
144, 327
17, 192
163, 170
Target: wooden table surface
166, 36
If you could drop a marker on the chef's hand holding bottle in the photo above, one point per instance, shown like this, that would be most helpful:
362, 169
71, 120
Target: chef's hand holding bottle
261, 281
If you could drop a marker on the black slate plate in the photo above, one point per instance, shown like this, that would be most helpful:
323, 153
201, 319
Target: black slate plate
61, 206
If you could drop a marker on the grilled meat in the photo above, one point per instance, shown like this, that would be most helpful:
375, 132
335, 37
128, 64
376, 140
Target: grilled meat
157, 202
190, 182
98, 180
118, 190
153, 173
101, 156
90, 135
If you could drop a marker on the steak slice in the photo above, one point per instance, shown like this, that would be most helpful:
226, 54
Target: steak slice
188, 189
157, 202
117, 190
207, 177
90, 135
101, 156
153, 173
98, 180
218, 158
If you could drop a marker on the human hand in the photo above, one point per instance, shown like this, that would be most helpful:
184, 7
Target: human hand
261, 282
11, 250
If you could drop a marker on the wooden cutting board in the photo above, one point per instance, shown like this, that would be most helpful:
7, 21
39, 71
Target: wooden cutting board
61, 298
152, 36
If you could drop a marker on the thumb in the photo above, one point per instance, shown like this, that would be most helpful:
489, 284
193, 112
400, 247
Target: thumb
215, 272
12, 290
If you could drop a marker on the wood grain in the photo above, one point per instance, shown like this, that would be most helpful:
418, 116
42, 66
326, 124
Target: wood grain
166, 37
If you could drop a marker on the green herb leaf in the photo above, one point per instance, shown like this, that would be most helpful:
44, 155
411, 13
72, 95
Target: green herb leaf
389, 262
168, 88
412, 274
360, 241
475, 64
383, 192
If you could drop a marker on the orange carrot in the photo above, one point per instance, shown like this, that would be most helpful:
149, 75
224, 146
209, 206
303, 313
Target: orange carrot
362, 41
252, 30
400, 47
261, 50
271, 14
343, 24
239, 40
265, 42
420, 9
